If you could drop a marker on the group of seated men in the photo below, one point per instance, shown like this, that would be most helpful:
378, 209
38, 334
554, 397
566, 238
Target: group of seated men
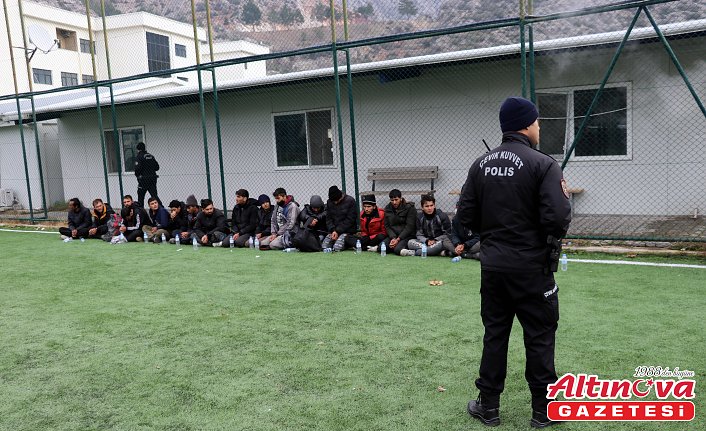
333, 226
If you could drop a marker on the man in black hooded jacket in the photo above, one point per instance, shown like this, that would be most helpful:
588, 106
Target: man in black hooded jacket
243, 220
211, 226
341, 219
400, 222
79, 218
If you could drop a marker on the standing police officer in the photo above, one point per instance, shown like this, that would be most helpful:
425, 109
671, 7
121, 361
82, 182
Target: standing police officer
146, 168
517, 199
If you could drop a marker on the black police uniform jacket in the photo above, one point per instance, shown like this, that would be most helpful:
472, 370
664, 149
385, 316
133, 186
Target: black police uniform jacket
515, 197
146, 166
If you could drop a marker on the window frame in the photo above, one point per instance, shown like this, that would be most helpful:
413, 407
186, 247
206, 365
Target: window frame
570, 121
86, 44
49, 74
69, 75
177, 47
90, 79
122, 149
308, 166
155, 62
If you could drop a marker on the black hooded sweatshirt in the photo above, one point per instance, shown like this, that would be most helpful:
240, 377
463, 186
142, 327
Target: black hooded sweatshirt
244, 218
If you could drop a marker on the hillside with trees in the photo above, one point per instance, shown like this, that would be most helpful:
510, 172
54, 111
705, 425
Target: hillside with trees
291, 24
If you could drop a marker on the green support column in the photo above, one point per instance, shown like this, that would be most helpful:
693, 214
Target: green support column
113, 113
19, 112
334, 51
351, 108
98, 105
201, 101
34, 113
676, 62
523, 51
216, 107
533, 92
594, 102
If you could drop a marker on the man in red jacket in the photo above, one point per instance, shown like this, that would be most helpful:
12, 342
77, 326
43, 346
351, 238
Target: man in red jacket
372, 224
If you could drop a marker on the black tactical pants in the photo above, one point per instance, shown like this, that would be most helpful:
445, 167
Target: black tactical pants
144, 185
533, 298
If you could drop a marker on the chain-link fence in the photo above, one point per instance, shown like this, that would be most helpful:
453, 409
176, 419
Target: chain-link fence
619, 89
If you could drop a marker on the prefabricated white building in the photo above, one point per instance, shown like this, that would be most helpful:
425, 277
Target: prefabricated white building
431, 110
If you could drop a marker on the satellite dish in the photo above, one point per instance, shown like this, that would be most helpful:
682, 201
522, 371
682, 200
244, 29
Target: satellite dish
40, 38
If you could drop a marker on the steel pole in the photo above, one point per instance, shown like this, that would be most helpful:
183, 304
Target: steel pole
98, 104
334, 52
675, 60
216, 106
351, 107
19, 112
594, 102
113, 113
202, 106
34, 113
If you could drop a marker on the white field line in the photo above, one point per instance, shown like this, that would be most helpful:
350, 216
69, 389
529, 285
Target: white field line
28, 231
622, 262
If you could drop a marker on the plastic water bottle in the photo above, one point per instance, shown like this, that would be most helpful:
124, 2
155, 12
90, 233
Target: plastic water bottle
231, 241
456, 259
383, 249
177, 239
251, 242
83, 239
424, 251
257, 243
194, 244
122, 237
290, 250
358, 247
164, 238
564, 262
144, 238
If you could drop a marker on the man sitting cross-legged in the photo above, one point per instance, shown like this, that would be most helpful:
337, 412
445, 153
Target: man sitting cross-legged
243, 220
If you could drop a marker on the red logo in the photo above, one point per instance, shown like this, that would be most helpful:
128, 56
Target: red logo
602, 394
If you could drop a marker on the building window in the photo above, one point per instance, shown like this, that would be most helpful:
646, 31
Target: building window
179, 50
86, 46
157, 52
606, 134
41, 76
128, 138
67, 39
304, 139
87, 79
69, 79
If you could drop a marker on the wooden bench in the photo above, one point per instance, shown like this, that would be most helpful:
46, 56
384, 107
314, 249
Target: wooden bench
409, 173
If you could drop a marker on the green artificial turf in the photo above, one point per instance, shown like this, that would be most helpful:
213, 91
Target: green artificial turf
142, 336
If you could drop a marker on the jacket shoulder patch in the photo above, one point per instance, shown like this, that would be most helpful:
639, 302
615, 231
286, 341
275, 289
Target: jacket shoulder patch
565, 189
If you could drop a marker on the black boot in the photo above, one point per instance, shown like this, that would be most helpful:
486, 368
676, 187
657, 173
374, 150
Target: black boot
482, 410
540, 420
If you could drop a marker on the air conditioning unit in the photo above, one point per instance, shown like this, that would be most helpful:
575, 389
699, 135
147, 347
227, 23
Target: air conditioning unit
7, 197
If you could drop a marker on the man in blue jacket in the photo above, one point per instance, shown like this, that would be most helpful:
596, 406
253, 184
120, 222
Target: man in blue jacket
157, 222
